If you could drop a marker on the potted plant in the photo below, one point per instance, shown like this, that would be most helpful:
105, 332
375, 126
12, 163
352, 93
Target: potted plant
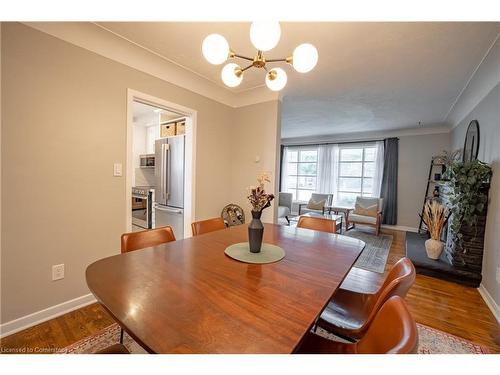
259, 201
468, 185
434, 217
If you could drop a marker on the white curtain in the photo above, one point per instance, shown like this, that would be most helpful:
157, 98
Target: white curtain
328, 169
284, 170
379, 168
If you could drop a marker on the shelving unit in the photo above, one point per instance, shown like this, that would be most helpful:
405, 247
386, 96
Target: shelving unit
428, 195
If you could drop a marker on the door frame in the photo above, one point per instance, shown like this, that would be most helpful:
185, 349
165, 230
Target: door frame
190, 155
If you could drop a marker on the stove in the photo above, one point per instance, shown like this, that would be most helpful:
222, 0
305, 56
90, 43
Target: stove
142, 206
142, 190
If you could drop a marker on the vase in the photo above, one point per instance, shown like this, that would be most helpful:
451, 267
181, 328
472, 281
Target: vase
255, 232
434, 248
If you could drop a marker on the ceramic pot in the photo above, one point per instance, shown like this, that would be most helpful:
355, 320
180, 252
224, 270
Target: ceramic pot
255, 232
434, 248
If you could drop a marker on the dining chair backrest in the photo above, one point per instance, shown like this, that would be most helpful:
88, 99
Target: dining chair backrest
146, 238
393, 331
399, 280
397, 283
317, 223
205, 226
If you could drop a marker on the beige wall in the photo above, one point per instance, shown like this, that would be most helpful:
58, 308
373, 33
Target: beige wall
487, 113
64, 125
415, 153
254, 135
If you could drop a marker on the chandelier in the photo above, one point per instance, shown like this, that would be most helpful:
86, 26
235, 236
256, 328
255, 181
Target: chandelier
264, 36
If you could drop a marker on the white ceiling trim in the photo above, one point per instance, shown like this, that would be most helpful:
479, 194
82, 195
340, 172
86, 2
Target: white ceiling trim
484, 78
101, 41
365, 136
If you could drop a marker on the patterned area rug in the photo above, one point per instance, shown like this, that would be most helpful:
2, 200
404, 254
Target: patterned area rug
431, 341
374, 256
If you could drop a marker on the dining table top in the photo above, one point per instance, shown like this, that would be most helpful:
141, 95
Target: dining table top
187, 296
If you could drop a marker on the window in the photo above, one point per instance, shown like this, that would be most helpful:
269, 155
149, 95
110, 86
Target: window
301, 172
356, 173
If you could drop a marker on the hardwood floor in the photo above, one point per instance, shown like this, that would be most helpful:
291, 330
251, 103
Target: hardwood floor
446, 306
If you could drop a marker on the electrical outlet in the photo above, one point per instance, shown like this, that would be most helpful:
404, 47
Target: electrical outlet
57, 272
498, 275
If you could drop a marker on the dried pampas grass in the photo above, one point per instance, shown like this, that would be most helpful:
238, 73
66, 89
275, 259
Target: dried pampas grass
434, 217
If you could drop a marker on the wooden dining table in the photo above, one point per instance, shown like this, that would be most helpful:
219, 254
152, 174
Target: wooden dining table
187, 296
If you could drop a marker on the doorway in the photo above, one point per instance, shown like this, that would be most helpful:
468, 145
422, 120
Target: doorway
160, 173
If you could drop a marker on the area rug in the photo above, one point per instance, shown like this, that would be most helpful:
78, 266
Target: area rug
374, 256
431, 341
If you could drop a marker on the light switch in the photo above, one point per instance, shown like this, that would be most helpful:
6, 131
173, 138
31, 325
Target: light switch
117, 169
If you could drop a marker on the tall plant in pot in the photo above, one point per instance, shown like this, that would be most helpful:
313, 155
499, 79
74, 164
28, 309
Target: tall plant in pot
259, 201
434, 217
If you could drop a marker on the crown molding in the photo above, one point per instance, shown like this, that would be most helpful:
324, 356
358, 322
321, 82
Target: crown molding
484, 78
101, 41
365, 136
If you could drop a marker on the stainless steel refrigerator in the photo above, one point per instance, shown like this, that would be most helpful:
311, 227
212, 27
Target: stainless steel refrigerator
169, 188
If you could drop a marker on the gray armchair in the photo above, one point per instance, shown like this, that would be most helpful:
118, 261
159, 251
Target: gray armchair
315, 197
285, 205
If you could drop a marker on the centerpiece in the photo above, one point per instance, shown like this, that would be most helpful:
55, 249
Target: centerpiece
434, 217
259, 201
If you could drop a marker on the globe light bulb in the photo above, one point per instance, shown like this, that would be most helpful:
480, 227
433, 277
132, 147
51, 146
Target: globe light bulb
215, 49
265, 35
276, 79
229, 75
305, 58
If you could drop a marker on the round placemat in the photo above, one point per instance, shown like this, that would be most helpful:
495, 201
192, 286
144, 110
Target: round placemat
268, 253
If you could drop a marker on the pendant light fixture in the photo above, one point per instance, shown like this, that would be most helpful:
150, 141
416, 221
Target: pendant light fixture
264, 37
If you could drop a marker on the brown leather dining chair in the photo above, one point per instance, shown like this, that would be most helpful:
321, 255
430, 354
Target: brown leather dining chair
114, 349
205, 226
317, 223
349, 313
393, 331
146, 238
139, 240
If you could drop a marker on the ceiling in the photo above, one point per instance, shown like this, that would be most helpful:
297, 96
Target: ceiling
146, 115
369, 77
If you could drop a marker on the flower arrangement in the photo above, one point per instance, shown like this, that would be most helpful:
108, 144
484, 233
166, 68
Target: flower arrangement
434, 217
447, 157
258, 197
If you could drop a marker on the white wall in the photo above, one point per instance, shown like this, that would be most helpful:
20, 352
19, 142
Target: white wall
138, 148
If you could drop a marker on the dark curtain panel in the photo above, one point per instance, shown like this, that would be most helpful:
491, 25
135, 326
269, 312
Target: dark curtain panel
281, 165
389, 189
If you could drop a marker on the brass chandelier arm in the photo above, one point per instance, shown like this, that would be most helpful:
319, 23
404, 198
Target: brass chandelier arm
241, 57
275, 60
247, 67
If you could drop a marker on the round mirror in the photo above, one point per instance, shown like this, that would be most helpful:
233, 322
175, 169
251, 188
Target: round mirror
471, 144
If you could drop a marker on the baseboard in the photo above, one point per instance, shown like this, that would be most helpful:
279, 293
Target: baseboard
399, 227
41, 316
490, 302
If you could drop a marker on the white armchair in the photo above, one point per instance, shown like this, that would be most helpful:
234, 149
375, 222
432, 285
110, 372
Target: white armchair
367, 211
284, 205
318, 204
